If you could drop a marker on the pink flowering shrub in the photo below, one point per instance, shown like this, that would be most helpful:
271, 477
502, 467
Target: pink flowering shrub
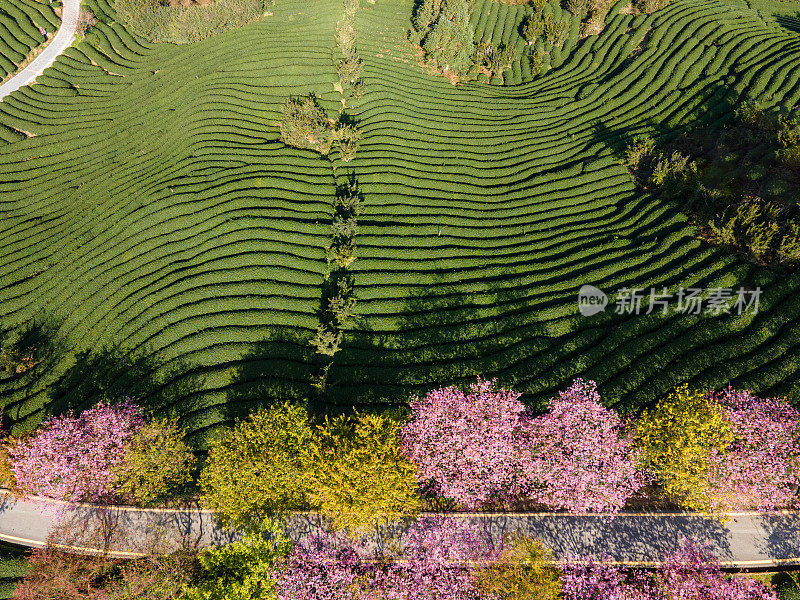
468, 446
688, 573
441, 553
691, 573
581, 457
326, 566
760, 467
70, 457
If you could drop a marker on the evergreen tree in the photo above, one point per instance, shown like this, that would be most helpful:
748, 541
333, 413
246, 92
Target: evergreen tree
450, 42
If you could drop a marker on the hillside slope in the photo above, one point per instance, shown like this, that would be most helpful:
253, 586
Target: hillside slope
160, 241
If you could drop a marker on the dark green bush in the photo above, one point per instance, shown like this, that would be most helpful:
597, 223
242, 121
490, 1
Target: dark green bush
741, 184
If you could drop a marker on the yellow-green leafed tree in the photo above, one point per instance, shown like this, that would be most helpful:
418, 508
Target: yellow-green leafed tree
256, 470
678, 438
358, 475
525, 571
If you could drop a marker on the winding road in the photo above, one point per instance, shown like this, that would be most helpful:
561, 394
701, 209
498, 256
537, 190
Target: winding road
62, 40
742, 540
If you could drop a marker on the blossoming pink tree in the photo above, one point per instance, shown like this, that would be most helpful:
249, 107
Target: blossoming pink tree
763, 464
440, 553
70, 456
581, 457
468, 446
687, 573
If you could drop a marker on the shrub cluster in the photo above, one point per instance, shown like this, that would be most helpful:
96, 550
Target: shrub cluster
350, 469
443, 30
101, 455
709, 452
159, 21
306, 125
740, 184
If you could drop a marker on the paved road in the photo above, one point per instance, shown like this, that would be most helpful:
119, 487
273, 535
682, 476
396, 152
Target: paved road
746, 540
62, 40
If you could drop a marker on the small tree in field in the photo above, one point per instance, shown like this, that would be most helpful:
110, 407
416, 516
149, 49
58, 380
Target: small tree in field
468, 446
449, 43
581, 457
305, 125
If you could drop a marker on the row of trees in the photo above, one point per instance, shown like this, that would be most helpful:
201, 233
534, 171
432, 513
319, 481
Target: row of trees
740, 183
111, 452
476, 448
442, 559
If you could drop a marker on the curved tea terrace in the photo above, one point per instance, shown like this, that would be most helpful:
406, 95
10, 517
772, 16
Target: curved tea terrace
745, 540
62, 40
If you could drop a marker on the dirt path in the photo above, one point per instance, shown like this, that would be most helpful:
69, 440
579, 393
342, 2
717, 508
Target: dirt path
62, 40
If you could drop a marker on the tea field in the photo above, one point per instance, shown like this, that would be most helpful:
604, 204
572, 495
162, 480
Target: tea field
157, 239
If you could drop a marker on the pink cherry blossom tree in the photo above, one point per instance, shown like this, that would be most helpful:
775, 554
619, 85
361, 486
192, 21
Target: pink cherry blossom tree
581, 458
468, 446
70, 457
762, 465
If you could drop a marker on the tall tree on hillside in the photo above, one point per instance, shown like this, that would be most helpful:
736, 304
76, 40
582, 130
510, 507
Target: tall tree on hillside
450, 42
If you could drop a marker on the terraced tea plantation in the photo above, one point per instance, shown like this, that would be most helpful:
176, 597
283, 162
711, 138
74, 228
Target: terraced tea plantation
160, 241
24, 25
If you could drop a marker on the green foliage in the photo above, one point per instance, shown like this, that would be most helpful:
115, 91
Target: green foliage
639, 153
650, 6
741, 184
494, 60
305, 125
16, 360
525, 570
579, 8
255, 469
449, 43
159, 22
241, 570
349, 66
157, 462
164, 577
762, 228
327, 340
532, 28
676, 440
425, 16
346, 138
358, 475
556, 30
